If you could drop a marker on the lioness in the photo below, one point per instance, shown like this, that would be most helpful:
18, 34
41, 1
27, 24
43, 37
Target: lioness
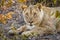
37, 21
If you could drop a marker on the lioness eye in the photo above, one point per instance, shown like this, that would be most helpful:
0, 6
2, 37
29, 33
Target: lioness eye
26, 13
34, 14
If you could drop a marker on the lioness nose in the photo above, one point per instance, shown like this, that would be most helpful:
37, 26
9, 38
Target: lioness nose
30, 21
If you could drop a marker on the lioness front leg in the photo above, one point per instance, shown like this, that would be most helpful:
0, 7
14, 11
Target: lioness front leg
21, 29
40, 31
34, 31
18, 31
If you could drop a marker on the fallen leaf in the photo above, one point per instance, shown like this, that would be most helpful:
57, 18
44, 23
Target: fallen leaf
22, 1
9, 15
2, 19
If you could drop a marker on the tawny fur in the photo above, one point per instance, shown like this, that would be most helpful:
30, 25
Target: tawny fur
38, 20
42, 22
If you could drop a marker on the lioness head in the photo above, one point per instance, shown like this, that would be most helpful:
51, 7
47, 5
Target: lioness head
33, 15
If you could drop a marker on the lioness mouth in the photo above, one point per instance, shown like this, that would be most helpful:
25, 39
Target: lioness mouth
31, 24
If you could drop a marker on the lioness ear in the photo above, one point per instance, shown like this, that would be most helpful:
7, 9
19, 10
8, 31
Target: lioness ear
39, 5
24, 7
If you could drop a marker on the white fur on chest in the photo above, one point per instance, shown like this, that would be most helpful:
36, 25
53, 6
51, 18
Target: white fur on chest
30, 27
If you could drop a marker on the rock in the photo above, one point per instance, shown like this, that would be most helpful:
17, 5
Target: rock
11, 33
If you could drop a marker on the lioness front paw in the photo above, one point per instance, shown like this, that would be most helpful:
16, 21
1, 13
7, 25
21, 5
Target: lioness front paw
27, 33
